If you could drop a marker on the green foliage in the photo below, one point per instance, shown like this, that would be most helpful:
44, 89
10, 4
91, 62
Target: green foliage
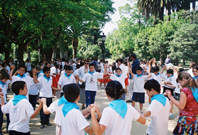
92, 51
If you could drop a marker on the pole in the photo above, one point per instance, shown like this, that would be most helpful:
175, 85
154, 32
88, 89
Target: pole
39, 51
103, 50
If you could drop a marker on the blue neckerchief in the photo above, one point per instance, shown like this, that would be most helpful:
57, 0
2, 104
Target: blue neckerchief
157, 74
195, 77
138, 75
160, 98
170, 76
118, 75
3, 84
91, 73
18, 98
68, 76
20, 76
40, 72
119, 106
195, 93
46, 78
68, 106
62, 100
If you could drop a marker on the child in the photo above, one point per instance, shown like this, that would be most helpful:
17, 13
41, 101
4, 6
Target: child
158, 109
195, 72
19, 109
39, 71
57, 106
4, 76
21, 76
188, 103
138, 88
156, 75
118, 116
90, 80
45, 92
71, 117
120, 78
66, 78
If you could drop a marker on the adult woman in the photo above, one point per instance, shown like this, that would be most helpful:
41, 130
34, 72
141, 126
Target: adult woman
152, 64
188, 103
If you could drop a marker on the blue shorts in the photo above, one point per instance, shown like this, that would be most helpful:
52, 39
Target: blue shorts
138, 97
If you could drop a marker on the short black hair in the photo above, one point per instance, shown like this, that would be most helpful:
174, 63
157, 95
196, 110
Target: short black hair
139, 68
181, 69
152, 84
71, 92
16, 86
22, 66
118, 69
170, 71
156, 69
45, 69
38, 68
133, 55
68, 68
120, 60
4, 74
91, 64
114, 89
125, 63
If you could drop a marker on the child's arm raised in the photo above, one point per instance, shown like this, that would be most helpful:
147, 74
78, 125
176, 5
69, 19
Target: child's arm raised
45, 109
34, 76
37, 110
130, 69
2, 98
12, 67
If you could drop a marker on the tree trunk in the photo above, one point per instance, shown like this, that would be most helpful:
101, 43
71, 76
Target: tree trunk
28, 52
75, 46
168, 10
20, 52
7, 52
184, 63
193, 4
161, 14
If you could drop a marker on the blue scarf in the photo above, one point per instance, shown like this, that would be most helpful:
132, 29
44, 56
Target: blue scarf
118, 75
91, 73
40, 72
68, 76
68, 106
170, 76
3, 84
160, 98
62, 100
138, 75
18, 98
119, 106
195, 77
20, 76
195, 93
157, 74
46, 78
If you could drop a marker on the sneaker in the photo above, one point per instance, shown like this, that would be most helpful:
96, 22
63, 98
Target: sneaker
48, 124
170, 116
128, 101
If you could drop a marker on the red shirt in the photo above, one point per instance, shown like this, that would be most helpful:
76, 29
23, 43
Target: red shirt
191, 108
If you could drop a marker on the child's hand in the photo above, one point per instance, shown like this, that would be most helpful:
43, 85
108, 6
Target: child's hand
12, 67
43, 100
0, 89
40, 102
168, 93
1, 95
165, 83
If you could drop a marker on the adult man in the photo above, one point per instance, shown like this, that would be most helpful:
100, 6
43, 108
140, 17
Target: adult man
135, 64
168, 60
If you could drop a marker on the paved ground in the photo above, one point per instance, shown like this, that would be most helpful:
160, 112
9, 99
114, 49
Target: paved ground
137, 129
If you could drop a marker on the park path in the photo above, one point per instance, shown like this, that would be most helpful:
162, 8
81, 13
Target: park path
102, 102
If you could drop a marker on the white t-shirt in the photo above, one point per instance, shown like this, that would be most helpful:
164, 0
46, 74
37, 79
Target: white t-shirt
139, 83
46, 90
7, 69
58, 110
122, 67
169, 79
81, 73
28, 65
178, 87
75, 72
52, 71
190, 72
126, 70
27, 79
62, 72
102, 67
19, 115
120, 79
74, 123
63, 80
159, 118
34, 89
115, 124
156, 77
4, 90
91, 81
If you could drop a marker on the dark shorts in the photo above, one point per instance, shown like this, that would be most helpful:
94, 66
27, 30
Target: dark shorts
176, 96
17, 133
138, 97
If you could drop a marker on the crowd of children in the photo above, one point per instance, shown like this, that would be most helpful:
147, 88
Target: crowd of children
77, 82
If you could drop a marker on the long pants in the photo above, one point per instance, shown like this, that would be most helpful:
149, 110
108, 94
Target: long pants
1, 120
45, 117
130, 89
90, 97
32, 100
